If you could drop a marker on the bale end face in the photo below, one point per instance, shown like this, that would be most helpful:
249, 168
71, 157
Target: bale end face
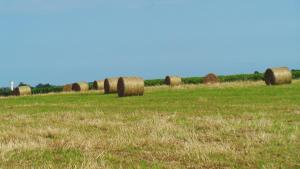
121, 87
269, 77
76, 87
168, 80
106, 86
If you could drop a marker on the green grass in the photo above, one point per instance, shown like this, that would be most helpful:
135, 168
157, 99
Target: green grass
232, 125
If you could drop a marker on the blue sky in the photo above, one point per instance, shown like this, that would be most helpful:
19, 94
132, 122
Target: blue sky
63, 41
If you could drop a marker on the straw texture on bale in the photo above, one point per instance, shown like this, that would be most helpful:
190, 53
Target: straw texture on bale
130, 86
98, 85
80, 86
22, 91
67, 88
278, 76
211, 79
111, 85
173, 80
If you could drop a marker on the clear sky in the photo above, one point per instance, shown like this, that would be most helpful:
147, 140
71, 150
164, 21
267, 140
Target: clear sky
63, 41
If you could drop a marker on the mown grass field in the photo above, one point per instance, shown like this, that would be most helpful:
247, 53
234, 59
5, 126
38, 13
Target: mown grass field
232, 125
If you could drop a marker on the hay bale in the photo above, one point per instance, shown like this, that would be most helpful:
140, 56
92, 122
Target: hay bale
211, 79
130, 86
67, 88
111, 85
98, 85
22, 91
278, 76
80, 86
173, 80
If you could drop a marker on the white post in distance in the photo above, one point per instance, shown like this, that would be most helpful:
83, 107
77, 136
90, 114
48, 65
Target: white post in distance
12, 86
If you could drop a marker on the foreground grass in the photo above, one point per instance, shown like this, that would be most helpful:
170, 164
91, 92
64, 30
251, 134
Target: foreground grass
232, 125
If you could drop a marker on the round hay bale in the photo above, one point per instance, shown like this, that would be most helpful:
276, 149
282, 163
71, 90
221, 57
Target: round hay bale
173, 80
67, 87
211, 79
130, 86
98, 85
278, 76
80, 86
111, 85
22, 91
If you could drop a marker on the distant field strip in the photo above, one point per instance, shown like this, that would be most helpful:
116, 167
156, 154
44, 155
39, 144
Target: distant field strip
227, 125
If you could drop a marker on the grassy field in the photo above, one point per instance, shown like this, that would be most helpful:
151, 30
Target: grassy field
232, 125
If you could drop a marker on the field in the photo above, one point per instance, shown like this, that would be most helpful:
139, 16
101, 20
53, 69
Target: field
231, 125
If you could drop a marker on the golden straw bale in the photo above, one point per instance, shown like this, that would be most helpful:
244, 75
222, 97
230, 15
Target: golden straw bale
98, 85
130, 86
278, 76
211, 79
80, 86
22, 91
111, 85
67, 87
173, 80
